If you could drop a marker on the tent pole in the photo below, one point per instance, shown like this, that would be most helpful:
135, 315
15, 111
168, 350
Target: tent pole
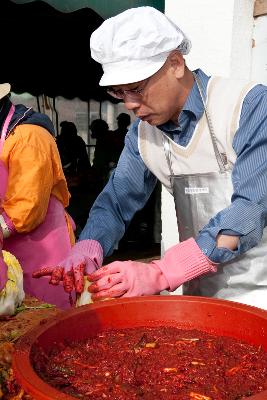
89, 120
54, 107
100, 109
38, 103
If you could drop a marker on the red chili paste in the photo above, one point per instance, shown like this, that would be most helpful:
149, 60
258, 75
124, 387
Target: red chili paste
153, 364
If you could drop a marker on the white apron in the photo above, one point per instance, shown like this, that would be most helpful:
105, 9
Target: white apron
199, 177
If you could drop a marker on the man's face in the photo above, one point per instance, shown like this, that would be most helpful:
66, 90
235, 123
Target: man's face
159, 98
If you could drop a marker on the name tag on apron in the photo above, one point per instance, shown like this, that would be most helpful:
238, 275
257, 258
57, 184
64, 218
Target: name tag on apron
196, 190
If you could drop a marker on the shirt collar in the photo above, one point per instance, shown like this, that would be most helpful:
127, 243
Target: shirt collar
193, 106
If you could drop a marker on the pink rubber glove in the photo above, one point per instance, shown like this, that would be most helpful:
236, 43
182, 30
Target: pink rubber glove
3, 266
180, 264
84, 258
127, 279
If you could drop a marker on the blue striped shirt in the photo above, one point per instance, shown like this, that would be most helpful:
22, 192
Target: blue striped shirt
132, 183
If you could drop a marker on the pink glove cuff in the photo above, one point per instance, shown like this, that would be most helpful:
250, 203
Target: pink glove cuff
7, 225
183, 262
91, 247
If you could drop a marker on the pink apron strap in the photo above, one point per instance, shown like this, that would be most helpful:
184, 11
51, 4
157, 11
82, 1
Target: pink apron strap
3, 169
5, 127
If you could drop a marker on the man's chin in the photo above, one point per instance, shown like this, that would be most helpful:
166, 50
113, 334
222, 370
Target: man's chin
154, 121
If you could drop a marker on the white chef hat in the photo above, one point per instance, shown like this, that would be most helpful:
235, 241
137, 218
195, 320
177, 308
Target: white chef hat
135, 44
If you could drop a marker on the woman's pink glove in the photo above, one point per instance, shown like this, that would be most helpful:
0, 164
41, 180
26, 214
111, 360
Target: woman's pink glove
84, 258
180, 264
3, 266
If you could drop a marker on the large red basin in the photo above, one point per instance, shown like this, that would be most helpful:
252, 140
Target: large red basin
211, 315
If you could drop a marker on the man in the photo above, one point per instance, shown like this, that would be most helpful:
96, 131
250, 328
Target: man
205, 139
33, 195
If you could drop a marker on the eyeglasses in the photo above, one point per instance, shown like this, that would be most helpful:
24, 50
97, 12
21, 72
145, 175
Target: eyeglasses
135, 94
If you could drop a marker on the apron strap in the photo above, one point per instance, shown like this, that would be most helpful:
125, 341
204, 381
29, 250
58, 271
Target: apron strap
167, 151
220, 159
5, 127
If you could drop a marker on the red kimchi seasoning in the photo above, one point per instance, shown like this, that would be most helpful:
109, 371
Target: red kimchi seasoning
153, 364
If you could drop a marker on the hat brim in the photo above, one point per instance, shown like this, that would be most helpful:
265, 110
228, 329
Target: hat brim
131, 71
4, 90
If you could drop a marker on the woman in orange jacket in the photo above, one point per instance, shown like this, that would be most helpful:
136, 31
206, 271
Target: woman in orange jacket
34, 194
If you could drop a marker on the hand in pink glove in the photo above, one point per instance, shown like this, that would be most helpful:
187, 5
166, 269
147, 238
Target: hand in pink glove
3, 266
127, 278
180, 264
84, 258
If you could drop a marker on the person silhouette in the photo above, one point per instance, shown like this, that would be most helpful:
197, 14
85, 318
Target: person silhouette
102, 155
78, 173
72, 150
118, 136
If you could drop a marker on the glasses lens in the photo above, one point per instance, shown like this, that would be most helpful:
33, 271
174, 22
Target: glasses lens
135, 94
118, 94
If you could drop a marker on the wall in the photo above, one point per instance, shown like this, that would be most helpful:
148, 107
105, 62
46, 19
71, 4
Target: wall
259, 50
221, 33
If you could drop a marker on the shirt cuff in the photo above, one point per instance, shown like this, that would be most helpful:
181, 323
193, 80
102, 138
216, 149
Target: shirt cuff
207, 244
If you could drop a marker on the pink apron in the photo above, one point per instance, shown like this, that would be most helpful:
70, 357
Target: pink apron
45, 246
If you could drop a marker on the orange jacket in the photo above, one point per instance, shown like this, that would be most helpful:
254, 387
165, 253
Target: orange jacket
35, 173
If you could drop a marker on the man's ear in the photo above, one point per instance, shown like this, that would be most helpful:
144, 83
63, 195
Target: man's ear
177, 63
